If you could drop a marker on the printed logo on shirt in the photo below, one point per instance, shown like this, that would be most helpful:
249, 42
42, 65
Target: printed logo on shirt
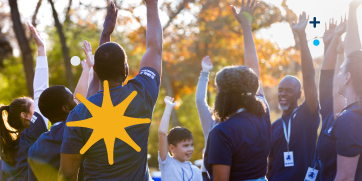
33, 119
148, 73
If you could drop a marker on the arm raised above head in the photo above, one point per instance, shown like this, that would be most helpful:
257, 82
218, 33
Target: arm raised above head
352, 40
109, 24
154, 40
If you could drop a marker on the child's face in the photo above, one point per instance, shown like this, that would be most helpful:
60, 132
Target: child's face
183, 150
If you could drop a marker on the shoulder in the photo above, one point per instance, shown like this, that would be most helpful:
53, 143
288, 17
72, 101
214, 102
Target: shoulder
276, 123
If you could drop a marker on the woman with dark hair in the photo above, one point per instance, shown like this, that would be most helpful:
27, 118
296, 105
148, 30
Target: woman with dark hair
340, 144
238, 147
23, 122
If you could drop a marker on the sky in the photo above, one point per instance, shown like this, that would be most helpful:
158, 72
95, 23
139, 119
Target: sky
279, 33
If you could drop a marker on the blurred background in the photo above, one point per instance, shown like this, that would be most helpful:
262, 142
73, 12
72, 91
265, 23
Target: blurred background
192, 30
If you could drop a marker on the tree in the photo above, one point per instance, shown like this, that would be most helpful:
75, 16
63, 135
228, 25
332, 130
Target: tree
23, 44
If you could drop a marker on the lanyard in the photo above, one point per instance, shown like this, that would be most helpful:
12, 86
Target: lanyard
110, 89
183, 173
287, 134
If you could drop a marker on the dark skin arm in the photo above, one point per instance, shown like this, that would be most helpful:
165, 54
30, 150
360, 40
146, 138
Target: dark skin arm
153, 56
310, 88
69, 166
220, 172
109, 24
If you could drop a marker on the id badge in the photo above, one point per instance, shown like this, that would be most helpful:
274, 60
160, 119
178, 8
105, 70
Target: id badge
288, 159
311, 174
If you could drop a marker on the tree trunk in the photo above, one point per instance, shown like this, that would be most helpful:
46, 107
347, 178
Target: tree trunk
68, 68
24, 45
166, 82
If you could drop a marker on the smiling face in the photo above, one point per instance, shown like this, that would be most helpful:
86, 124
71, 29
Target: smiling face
288, 93
26, 117
183, 150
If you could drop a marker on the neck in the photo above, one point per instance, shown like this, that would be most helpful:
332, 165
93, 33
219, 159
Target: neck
351, 97
113, 84
178, 159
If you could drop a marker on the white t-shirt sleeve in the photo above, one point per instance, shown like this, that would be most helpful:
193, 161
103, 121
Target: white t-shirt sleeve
165, 162
41, 82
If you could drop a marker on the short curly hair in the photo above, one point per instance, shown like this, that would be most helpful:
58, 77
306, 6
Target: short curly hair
109, 62
237, 88
178, 134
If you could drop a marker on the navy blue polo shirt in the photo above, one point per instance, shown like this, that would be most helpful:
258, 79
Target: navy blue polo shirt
325, 148
128, 163
27, 138
303, 139
347, 135
44, 155
242, 142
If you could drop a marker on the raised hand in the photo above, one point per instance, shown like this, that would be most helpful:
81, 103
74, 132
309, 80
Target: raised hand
88, 52
355, 3
245, 16
302, 23
111, 19
39, 41
169, 101
329, 32
206, 64
341, 28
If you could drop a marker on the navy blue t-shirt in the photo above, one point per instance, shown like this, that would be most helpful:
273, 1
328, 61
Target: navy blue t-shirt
347, 134
27, 139
128, 163
243, 142
303, 139
44, 155
325, 149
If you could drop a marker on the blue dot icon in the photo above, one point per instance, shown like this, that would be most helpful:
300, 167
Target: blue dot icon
316, 42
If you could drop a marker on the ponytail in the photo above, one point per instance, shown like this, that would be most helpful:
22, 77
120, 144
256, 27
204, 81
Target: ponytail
10, 126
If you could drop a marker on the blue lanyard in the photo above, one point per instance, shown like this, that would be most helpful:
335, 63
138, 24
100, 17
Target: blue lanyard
287, 133
183, 173
110, 89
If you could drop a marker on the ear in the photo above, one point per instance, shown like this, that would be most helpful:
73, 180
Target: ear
171, 148
66, 109
299, 94
23, 115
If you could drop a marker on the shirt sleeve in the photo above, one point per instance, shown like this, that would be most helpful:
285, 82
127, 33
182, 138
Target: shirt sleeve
262, 98
347, 131
325, 85
150, 80
310, 120
201, 104
220, 148
31, 175
72, 138
41, 82
164, 163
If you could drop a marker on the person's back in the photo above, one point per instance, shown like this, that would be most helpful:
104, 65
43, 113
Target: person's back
248, 139
128, 163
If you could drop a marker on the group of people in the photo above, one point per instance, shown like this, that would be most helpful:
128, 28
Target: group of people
240, 141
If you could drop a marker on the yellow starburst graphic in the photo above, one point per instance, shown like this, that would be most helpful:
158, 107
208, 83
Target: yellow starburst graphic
108, 122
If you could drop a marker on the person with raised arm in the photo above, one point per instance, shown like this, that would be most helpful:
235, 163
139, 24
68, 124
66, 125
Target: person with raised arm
238, 147
295, 133
55, 103
179, 141
25, 120
329, 101
345, 136
110, 64
207, 122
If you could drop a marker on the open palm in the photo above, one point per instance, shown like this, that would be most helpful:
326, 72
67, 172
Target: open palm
302, 23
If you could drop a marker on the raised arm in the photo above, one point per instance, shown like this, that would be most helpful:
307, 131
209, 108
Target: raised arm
309, 85
201, 104
330, 59
352, 40
41, 77
154, 40
109, 24
83, 83
245, 18
162, 131
339, 102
